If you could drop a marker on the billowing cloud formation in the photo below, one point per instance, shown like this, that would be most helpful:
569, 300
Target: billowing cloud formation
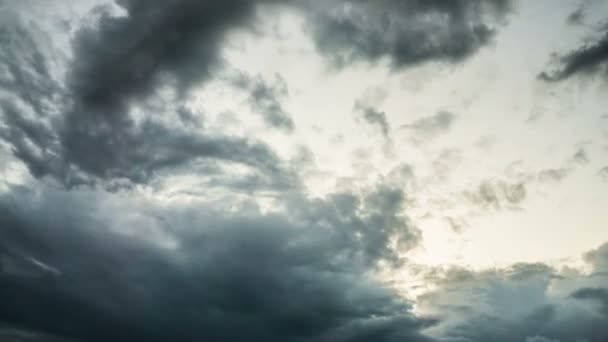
405, 32
526, 302
223, 243
85, 130
228, 276
588, 59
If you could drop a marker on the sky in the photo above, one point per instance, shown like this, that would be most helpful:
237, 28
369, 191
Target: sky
304, 170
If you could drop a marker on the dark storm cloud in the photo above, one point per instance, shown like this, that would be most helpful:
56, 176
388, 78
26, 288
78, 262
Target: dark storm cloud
138, 153
428, 128
374, 117
84, 131
405, 32
128, 58
586, 60
234, 276
265, 99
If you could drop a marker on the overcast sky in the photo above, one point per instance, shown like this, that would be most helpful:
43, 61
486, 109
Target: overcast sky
304, 170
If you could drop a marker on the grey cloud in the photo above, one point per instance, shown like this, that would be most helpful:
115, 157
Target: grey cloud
558, 174
405, 32
138, 153
497, 194
586, 60
457, 224
27, 93
374, 117
427, 128
265, 99
175, 43
595, 294
539, 339
153, 44
83, 132
577, 16
603, 173
19, 335
237, 276
553, 175
598, 258
525, 302
580, 156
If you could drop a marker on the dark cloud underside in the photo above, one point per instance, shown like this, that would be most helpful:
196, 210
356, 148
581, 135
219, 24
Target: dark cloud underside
587, 60
239, 277
406, 32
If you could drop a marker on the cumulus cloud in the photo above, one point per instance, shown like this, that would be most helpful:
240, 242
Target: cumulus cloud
524, 302
404, 32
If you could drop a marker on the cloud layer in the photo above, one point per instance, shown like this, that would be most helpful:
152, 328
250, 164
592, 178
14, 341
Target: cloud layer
69, 271
143, 219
